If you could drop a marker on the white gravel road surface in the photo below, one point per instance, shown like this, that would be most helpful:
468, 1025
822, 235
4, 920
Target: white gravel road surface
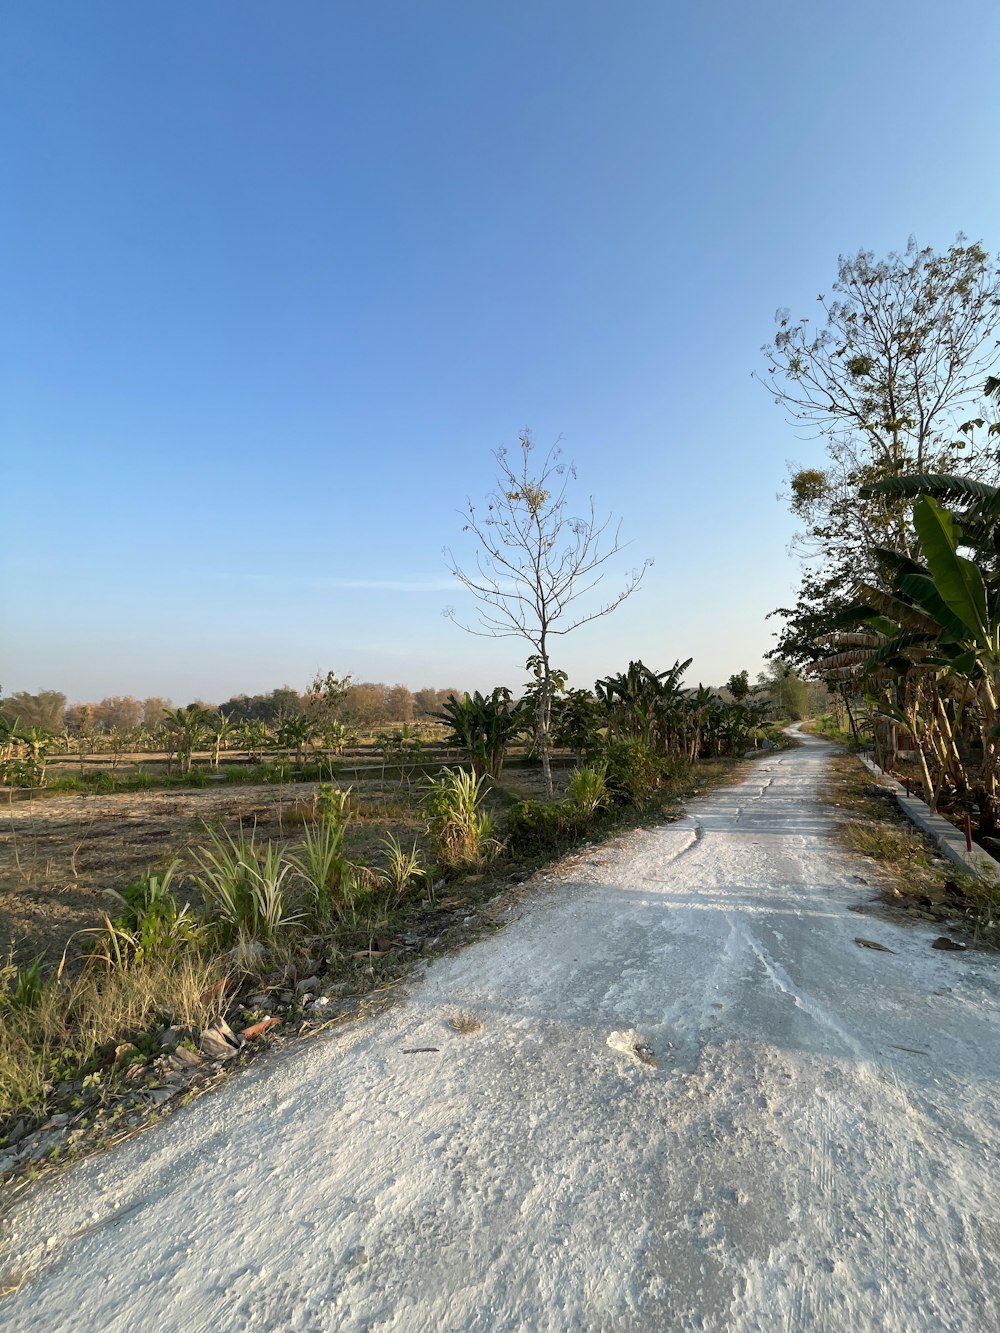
693, 1103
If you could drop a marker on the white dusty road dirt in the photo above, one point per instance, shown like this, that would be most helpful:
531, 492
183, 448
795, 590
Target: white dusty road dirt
693, 1103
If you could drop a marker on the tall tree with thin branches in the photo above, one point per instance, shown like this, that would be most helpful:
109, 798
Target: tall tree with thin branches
535, 565
891, 376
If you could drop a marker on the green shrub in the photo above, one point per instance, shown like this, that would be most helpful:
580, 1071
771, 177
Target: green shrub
154, 924
333, 803
634, 771
196, 777
25, 772
540, 826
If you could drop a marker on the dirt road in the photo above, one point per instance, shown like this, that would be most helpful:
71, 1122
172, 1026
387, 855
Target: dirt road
693, 1102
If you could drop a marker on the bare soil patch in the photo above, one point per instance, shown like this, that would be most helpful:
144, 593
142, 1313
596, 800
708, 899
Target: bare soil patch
60, 855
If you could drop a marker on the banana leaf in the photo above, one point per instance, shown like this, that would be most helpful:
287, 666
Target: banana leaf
945, 486
957, 581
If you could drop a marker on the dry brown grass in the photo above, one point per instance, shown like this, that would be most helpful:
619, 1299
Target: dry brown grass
464, 1023
74, 1019
883, 841
910, 866
299, 812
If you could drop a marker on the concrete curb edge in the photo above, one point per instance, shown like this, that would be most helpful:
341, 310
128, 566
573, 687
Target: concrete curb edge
947, 837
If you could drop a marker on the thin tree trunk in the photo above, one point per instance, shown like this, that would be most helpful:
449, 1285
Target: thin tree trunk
544, 711
850, 718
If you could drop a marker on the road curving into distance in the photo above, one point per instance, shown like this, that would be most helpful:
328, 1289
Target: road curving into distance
692, 1102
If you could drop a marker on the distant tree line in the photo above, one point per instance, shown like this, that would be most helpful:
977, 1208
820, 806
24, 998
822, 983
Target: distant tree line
367, 704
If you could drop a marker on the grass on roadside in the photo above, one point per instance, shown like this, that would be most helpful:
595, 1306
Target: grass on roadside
64, 1033
912, 869
883, 841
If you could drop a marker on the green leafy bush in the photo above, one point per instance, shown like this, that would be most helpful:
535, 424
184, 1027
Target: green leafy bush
333, 802
539, 826
634, 771
154, 924
22, 773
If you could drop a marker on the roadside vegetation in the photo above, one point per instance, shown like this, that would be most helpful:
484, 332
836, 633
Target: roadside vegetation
908, 867
267, 921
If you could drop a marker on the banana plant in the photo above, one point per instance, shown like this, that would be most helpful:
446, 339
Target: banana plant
966, 606
646, 705
220, 729
255, 737
295, 733
696, 704
932, 659
186, 727
10, 735
483, 726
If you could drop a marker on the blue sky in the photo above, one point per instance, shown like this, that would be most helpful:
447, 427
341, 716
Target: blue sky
278, 278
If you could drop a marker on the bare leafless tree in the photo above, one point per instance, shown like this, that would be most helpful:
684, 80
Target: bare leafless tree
534, 564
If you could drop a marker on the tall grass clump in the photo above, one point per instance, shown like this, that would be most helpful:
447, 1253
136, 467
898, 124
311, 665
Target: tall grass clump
588, 787
324, 872
461, 829
403, 868
244, 886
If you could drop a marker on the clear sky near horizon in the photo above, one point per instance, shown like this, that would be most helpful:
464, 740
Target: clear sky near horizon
278, 278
